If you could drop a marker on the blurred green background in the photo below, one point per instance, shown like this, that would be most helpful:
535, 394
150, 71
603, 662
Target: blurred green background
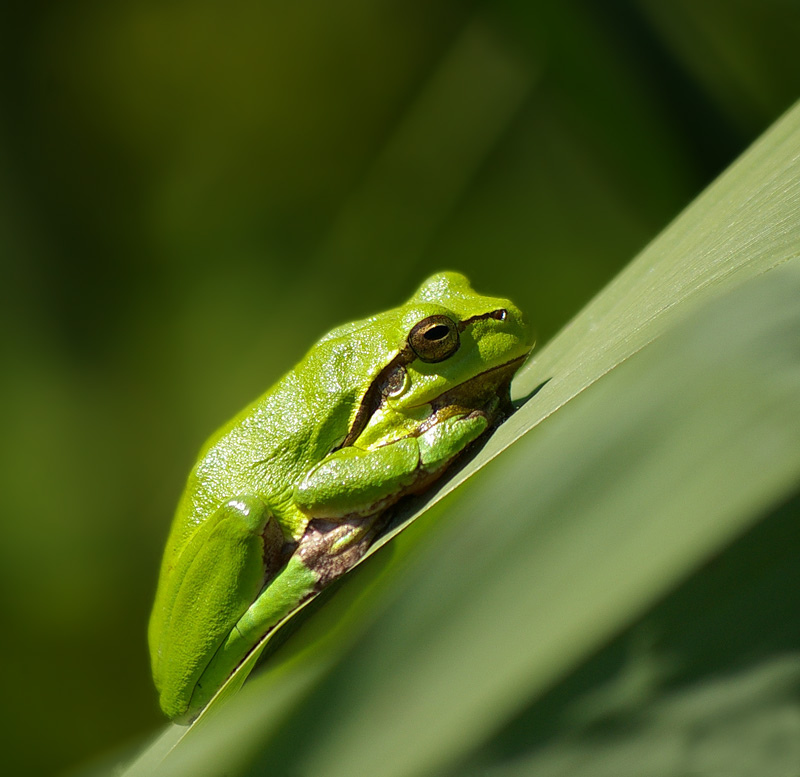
191, 193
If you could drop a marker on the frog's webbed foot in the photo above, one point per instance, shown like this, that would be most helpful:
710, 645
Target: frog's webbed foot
331, 548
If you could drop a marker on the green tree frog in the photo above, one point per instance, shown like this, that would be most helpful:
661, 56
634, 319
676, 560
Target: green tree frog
289, 494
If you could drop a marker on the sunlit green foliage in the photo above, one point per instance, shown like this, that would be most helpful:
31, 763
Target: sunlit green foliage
668, 425
192, 192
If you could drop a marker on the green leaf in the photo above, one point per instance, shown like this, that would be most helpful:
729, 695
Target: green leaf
667, 423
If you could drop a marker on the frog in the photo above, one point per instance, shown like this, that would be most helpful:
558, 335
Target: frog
290, 494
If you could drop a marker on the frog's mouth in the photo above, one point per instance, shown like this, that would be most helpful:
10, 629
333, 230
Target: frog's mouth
487, 393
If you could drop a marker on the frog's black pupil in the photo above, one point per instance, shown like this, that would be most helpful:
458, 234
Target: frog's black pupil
434, 339
437, 332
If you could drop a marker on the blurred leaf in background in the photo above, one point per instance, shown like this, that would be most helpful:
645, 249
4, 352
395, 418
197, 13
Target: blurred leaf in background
191, 193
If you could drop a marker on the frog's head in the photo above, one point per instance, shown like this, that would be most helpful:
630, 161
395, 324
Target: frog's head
453, 351
455, 335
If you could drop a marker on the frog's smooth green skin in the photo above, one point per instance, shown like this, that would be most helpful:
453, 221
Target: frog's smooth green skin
287, 496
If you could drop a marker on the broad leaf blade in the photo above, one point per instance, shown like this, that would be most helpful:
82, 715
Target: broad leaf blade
567, 537
743, 226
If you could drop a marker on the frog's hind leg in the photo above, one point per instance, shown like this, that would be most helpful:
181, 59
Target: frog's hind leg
211, 583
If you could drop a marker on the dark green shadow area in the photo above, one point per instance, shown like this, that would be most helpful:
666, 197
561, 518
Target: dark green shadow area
659, 692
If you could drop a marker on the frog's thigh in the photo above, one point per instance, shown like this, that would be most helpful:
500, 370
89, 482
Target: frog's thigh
445, 440
353, 480
282, 595
216, 577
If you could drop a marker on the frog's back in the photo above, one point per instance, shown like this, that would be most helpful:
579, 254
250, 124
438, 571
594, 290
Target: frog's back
267, 447
261, 452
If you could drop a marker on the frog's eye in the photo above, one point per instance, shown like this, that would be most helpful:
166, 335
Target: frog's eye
434, 339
